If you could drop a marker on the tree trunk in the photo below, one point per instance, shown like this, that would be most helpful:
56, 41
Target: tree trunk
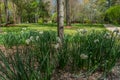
14, 13
0, 13
6, 12
109, 3
68, 22
18, 19
60, 16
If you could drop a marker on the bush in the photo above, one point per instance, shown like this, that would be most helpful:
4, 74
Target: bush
113, 15
40, 21
54, 18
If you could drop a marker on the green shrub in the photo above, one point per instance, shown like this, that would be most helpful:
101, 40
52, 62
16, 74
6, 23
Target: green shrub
54, 18
113, 15
40, 20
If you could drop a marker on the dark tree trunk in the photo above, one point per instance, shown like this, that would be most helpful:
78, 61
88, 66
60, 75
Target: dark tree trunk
0, 14
68, 22
18, 19
14, 13
6, 12
60, 16
109, 3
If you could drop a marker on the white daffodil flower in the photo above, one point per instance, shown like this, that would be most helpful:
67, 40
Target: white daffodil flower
27, 41
83, 56
37, 38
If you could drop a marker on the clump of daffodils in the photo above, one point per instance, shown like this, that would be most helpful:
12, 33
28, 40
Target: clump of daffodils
58, 40
107, 36
96, 41
37, 38
83, 31
84, 56
31, 38
118, 35
57, 46
41, 32
5, 32
24, 28
116, 30
27, 41
78, 30
22, 31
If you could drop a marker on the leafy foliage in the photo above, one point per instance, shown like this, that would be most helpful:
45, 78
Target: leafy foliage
31, 10
113, 15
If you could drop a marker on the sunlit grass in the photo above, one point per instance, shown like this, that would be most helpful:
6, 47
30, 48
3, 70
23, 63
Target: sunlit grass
53, 27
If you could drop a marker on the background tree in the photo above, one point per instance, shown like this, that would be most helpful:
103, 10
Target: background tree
6, 12
60, 11
0, 12
109, 3
68, 21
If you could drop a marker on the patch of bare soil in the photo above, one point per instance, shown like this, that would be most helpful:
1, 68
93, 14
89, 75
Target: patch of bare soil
66, 75
12, 50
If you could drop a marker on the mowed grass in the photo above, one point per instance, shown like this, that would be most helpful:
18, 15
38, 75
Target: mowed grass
53, 27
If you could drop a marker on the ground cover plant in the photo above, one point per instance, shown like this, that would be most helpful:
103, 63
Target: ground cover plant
36, 55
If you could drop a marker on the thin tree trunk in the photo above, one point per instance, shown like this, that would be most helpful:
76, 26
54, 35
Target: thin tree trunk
60, 13
6, 12
18, 19
14, 13
68, 22
109, 3
0, 14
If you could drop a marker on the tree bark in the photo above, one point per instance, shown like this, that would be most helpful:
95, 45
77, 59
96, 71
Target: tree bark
14, 13
60, 16
6, 12
0, 14
109, 3
68, 22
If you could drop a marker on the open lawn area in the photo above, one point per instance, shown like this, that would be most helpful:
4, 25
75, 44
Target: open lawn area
53, 27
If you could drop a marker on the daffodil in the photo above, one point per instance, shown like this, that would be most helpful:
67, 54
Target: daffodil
31, 38
107, 36
83, 31
116, 30
96, 41
58, 40
83, 56
37, 38
27, 41
57, 46
24, 28
41, 32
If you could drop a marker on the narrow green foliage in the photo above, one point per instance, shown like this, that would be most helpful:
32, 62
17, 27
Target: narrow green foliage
38, 54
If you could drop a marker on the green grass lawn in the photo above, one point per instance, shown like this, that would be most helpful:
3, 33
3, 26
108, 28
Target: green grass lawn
53, 27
